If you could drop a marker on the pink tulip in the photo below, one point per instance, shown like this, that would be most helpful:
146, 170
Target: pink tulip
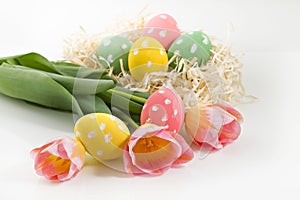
213, 124
60, 159
152, 150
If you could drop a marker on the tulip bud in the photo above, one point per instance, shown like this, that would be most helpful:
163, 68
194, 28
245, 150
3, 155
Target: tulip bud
60, 159
213, 124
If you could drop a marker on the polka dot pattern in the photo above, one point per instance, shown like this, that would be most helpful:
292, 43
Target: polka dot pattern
103, 135
110, 58
154, 108
163, 16
175, 112
145, 43
145, 56
99, 152
191, 45
167, 101
91, 134
92, 116
162, 52
163, 28
107, 138
164, 118
113, 118
163, 33
164, 108
124, 46
102, 126
121, 127
177, 52
111, 50
150, 30
77, 134
179, 41
205, 41
194, 48
106, 43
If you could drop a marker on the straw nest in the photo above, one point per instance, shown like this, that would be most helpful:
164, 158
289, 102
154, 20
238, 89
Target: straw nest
218, 80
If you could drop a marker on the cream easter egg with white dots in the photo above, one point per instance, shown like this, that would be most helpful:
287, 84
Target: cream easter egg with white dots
146, 55
103, 135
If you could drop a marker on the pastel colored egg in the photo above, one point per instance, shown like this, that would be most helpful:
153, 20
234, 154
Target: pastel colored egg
202, 39
111, 50
163, 28
164, 107
103, 135
146, 55
194, 44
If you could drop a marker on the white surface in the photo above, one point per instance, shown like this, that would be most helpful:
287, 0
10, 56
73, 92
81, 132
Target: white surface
263, 164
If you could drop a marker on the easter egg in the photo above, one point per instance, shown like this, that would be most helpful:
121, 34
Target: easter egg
164, 107
146, 55
163, 28
103, 135
111, 50
194, 44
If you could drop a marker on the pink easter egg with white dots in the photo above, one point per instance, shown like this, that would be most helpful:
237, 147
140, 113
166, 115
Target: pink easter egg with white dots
163, 28
164, 108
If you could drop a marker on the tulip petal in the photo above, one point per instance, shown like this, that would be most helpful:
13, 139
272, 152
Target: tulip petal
61, 147
68, 145
62, 151
209, 131
187, 154
152, 150
157, 172
128, 165
152, 160
36, 151
55, 167
73, 171
230, 132
40, 159
149, 129
75, 152
53, 148
143, 131
231, 110
197, 120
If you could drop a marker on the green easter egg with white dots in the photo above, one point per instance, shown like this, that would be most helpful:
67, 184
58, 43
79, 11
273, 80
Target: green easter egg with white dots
103, 135
202, 39
111, 50
190, 45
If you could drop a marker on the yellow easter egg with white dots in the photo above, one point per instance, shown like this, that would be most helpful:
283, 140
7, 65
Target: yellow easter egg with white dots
103, 135
146, 55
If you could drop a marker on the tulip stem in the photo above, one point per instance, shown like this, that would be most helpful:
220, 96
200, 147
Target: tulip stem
124, 117
129, 96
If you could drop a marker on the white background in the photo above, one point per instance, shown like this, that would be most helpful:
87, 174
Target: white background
263, 163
